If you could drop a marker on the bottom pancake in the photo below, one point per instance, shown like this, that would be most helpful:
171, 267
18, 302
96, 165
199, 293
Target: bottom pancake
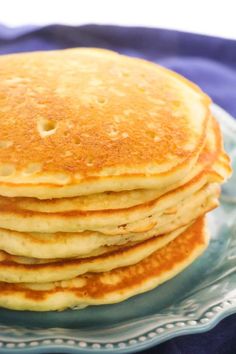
113, 286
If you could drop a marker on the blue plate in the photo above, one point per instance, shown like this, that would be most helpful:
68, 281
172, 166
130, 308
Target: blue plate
194, 301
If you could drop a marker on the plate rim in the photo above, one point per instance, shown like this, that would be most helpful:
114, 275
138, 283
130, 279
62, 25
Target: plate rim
203, 322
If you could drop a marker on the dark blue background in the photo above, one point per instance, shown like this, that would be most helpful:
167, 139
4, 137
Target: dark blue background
208, 61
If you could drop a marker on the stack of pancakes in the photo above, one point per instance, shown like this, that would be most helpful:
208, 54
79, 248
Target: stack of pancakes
108, 165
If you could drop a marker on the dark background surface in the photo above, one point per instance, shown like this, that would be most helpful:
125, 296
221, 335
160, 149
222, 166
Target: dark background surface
208, 61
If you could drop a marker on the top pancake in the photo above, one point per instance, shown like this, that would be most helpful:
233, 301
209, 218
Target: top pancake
83, 121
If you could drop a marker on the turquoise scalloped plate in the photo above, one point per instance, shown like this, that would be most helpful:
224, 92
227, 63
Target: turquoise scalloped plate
192, 302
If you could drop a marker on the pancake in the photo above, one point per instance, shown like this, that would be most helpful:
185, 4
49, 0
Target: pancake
111, 222
95, 121
82, 213
15, 269
65, 245
113, 286
82, 244
124, 199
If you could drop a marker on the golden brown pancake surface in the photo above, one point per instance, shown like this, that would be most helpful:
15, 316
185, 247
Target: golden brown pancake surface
81, 115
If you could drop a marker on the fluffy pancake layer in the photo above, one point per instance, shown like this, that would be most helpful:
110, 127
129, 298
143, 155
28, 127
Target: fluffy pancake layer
61, 216
15, 269
66, 245
112, 286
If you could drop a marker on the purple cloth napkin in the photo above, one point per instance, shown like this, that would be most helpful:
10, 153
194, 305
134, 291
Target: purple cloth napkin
208, 61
